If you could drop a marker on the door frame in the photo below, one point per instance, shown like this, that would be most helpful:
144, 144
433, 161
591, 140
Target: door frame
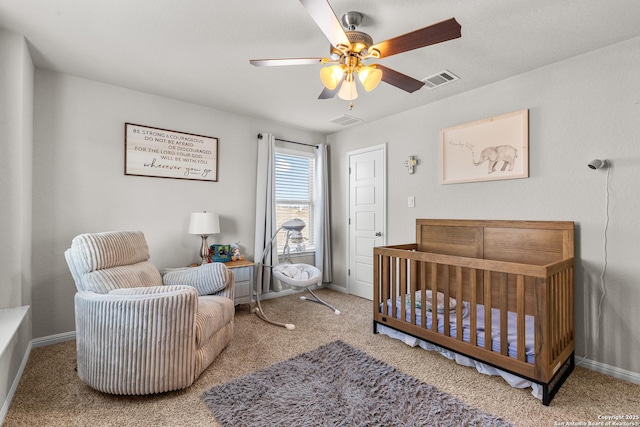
382, 147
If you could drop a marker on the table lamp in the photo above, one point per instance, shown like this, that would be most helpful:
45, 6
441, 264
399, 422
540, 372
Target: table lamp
203, 224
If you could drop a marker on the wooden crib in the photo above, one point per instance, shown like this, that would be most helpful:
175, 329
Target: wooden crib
513, 278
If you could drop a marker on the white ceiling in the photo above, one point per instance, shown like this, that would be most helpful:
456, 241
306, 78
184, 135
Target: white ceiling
198, 50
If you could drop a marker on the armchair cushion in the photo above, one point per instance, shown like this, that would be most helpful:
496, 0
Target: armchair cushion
110, 249
207, 279
150, 292
100, 262
142, 274
213, 313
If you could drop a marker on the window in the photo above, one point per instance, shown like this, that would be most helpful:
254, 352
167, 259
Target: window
295, 177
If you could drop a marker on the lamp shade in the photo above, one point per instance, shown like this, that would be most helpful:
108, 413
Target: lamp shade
348, 90
204, 223
331, 76
370, 77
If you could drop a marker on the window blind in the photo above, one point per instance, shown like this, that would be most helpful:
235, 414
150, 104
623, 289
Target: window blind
294, 182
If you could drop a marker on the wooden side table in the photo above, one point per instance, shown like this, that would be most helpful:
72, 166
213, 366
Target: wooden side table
243, 276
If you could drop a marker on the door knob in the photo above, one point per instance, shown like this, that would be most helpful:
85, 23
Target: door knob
378, 234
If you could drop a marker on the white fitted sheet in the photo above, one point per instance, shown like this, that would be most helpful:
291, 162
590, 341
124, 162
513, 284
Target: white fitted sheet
480, 329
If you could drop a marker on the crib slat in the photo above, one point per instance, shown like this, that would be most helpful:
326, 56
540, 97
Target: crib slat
402, 291
567, 307
377, 289
565, 323
520, 325
504, 315
570, 300
413, 278
555, 315
565, 310
563, 313
559, 320
570, 281
434, 294
386, 285
488, 339
434, 303
564, 329
542, 330
410, 285
423, 284
459, 328
473, 309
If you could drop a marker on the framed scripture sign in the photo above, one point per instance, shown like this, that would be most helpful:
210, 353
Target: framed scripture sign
168, 154
486, 150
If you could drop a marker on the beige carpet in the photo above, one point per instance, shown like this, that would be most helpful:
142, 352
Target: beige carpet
50, 393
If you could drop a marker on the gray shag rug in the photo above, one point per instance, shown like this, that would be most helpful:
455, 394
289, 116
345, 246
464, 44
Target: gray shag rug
337, 385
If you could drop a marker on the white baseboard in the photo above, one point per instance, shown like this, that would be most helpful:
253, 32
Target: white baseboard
53, 339
337, 288
612, 371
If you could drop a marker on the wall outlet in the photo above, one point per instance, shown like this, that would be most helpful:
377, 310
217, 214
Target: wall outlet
411, 202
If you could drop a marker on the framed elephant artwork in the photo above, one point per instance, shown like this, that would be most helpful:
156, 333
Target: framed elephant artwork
486, 150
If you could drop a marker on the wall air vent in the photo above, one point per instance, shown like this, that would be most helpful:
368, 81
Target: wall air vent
345, 120
439, 79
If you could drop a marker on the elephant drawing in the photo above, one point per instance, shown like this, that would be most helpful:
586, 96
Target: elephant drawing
502, 153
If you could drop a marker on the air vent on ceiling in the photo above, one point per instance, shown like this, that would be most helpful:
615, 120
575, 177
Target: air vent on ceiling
439, 79
345, 120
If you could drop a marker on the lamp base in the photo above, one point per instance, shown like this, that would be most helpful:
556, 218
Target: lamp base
204, 250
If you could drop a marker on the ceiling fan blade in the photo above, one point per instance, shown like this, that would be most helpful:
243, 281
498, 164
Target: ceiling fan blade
328, 93
399, 80
433, 34
284, 61
324, 16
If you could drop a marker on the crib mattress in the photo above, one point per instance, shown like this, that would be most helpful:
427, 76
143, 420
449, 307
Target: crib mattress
480, 328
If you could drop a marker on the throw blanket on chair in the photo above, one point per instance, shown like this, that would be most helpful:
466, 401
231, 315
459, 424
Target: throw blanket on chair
207, 279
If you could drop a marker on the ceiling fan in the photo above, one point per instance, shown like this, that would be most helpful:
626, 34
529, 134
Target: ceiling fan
350, 50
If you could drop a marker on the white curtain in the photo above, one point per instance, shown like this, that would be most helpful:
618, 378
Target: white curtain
322, 229
265, 212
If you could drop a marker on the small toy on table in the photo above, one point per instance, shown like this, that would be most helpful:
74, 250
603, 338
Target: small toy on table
235, 252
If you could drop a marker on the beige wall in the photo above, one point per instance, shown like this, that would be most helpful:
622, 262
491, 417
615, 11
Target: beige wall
580, 109
80, 186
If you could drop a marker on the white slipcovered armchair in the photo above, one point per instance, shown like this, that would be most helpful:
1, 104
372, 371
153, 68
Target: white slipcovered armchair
138, 332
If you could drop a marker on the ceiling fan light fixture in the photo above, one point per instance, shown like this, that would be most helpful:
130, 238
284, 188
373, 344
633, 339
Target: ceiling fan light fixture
370, 77
349, 48
348, 90
331, 76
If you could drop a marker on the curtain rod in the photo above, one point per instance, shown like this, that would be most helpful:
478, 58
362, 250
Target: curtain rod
291, 142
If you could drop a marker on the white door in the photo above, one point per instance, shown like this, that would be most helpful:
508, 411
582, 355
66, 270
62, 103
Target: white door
367, 210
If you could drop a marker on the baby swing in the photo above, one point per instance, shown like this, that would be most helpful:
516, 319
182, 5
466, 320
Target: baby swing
296, 275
